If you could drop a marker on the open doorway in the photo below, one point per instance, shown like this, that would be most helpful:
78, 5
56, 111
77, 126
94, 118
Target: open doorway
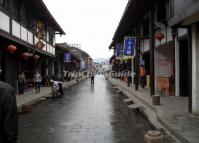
183, 61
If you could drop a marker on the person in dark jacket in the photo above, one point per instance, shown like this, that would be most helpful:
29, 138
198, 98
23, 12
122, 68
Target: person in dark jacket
8, 114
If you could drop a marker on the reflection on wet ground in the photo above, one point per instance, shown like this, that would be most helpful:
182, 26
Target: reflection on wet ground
86, 114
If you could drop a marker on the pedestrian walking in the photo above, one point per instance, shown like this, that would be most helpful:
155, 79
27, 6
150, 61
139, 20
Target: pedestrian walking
57, 90
92, 76
21, 82
8, 114
142, 75
37, 80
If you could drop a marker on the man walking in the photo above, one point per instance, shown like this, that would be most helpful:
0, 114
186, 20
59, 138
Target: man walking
37, 79
8, 114
92, 78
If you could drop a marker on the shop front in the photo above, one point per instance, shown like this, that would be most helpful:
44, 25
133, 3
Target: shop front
164, 69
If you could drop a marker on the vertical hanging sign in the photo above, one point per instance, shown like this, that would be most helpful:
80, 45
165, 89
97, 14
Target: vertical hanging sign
129, 46
119, 50
67, 57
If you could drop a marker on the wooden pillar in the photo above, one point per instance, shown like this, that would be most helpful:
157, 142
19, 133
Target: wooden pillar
137, 60
151, 46
190, 69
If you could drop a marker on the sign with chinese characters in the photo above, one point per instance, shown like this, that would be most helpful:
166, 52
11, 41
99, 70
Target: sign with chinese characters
119, 50
129, 46
83, 65
39, 45
40, 35
67, 57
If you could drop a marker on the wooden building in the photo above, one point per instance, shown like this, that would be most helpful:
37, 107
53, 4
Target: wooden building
27, 39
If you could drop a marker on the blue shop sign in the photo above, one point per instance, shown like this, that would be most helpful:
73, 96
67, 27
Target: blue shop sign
129, 46
67, 57
119, 50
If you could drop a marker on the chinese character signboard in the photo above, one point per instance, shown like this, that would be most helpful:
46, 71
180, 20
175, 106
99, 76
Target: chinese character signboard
40, 35
119, 49
129, 46
67, 57
83, 65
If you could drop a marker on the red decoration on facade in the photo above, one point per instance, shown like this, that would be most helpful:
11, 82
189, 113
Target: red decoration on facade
25, 55
159, 36
36, 57
11, 49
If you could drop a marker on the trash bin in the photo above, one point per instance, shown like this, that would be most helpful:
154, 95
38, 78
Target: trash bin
156, 99
153, 136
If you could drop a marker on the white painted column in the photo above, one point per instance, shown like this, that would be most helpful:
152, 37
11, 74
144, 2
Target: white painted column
177, 68
195, 70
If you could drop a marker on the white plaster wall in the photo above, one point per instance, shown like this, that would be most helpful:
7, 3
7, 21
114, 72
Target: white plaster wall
47, 48
50, 49
36, 40
169, 35
182, 32
4, 22
24, 34
54, 40
30, 38
44, 48
146, 45
47, 36
15, 29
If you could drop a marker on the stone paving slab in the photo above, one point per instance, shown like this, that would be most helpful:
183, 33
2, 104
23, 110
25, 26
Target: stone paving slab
172, 113
86, 114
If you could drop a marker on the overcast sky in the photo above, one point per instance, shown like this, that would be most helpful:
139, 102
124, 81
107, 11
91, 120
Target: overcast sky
91, 23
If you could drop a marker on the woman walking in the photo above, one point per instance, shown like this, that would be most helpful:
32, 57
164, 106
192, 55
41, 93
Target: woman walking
21, 81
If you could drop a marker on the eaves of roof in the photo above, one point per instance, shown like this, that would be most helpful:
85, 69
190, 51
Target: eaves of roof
49, 16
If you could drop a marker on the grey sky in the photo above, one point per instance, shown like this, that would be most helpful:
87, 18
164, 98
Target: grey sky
91, 23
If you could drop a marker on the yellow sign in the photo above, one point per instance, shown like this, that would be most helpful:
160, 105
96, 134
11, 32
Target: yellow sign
39, 45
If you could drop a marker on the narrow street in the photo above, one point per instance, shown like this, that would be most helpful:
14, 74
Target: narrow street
86, 114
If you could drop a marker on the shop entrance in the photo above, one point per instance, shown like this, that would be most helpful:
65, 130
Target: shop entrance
146, 62
183, 65
146, 59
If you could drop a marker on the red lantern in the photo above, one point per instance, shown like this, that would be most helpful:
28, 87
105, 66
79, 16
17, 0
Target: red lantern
25, 55
36, 57
159, 36
11, 49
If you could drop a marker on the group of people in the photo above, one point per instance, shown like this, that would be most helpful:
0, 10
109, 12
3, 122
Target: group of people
22, 80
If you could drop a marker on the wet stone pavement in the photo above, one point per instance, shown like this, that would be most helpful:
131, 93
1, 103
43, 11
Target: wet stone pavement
86, 114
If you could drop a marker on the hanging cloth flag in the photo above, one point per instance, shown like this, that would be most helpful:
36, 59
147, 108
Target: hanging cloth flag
129, 47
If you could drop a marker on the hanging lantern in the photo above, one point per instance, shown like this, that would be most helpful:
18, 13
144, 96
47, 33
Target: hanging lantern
36, 57
11, 49
159, 36
25, 55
